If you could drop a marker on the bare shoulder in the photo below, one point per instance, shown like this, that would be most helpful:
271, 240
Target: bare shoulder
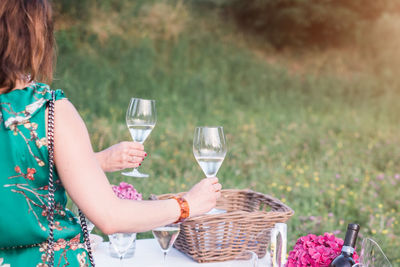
66, 111
64, 105
68, 122
71, 135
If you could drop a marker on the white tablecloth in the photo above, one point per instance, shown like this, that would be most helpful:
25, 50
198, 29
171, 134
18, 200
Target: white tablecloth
148, 254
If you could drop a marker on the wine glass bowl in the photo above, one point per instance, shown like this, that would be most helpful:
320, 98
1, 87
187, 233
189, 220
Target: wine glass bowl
372, 255
140, 119
209, 148
121, 243
166, 236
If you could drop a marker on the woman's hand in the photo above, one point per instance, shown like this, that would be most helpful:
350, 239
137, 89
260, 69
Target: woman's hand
203, 196
121, 156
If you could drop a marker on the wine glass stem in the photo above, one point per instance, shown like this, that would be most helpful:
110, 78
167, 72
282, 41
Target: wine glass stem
121, 261
165, 256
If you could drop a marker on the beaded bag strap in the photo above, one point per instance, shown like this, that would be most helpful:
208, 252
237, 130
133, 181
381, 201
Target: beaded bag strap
51, 200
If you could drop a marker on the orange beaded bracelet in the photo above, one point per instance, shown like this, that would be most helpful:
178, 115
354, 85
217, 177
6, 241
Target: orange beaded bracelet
184, 205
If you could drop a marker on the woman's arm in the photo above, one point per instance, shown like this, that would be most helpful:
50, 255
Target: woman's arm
89, 188
121, 156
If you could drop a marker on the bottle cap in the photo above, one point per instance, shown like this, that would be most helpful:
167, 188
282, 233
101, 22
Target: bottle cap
353, 226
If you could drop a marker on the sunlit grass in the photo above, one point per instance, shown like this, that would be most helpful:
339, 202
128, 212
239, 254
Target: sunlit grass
326, 146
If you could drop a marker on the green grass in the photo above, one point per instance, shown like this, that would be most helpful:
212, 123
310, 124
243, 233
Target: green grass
327, 146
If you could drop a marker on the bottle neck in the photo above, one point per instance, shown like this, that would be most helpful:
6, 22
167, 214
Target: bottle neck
351, 237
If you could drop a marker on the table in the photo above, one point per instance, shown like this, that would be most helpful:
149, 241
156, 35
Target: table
148, 254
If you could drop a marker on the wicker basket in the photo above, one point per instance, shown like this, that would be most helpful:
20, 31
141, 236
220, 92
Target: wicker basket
245, 226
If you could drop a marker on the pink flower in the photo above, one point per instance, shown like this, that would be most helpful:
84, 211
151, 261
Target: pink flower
29, 173
17, 169
126, 191
74, 242
60, 244
315, 251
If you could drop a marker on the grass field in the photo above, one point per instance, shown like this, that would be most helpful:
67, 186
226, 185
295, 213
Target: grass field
325, 143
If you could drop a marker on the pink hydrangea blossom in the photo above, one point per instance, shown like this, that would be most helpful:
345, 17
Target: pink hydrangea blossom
316, 251
126, 191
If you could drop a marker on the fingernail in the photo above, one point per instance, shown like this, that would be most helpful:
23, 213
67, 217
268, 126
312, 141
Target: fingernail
140, 164
145, 154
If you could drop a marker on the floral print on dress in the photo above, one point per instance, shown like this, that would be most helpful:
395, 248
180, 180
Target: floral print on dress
17, 120
29, 173
39, 198
33, 137
63, 246
22, 117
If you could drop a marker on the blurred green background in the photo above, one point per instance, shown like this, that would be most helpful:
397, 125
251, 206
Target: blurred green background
307, 91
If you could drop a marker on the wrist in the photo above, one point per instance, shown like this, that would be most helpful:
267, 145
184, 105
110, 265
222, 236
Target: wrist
184, 208
100, 156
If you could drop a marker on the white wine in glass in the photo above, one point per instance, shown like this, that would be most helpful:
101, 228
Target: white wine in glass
209, 149
210, 165
166, 237
140, 119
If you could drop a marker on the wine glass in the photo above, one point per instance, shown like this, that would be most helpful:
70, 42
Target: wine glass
121, 242
278, 243
140, 119
166, 236
372, 255
209, 149
271, 244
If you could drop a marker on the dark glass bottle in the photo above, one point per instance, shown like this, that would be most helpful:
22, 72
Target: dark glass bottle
345, 259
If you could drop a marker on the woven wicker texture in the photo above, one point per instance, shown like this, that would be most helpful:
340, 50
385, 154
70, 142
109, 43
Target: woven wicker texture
245, 226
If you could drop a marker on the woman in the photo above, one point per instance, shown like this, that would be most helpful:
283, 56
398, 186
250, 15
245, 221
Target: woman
26, 53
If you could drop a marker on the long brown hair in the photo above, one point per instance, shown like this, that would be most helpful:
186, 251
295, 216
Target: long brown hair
26, 42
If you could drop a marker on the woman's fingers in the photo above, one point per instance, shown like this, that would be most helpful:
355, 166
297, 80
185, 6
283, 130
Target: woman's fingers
134, 159
132, 165
132, 145
133, 149
217, 187
121, 156
203, 196
212, 180
137, 154
132, 152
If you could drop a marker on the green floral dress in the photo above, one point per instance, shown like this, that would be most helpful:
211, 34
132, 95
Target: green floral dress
24, 186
